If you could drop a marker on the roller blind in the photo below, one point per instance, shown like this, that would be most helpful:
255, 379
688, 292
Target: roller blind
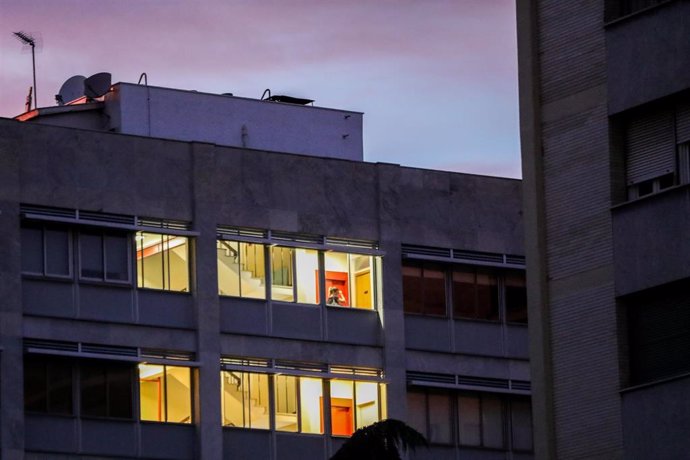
650, 147
683, 123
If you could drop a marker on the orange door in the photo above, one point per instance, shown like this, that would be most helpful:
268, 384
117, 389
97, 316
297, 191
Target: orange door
363, 290
341, 416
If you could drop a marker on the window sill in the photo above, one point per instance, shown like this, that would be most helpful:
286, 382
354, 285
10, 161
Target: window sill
343, 308
251, 299
115, 284
38, 277
243, 428
145, 289
154, 422
624, 18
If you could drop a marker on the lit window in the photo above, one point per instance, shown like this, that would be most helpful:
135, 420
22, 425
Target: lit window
294, 275
162, 262
46, 251
165, 393
305, 416
245, 399
353, 405
104, 256
349, 280
241, 269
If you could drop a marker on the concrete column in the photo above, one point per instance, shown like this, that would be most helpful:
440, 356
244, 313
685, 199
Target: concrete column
392, 314
208, 413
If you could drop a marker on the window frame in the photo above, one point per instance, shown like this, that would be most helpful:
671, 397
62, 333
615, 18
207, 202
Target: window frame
164, 394
103, 233
165, 279
43, 228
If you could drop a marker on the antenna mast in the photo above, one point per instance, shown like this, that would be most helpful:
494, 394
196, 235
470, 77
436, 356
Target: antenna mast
31, 41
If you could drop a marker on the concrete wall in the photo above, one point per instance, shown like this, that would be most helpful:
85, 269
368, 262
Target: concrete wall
234, 121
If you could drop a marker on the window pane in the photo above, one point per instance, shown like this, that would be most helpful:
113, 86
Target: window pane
521, 423
367, 398
362, 272
59, 387
120, 391
178, 394
232, 398
281, 273
439, 419
516, 298
151, 390
150, 260
338, 279
57, 252
492, 422
32, 250
117, 257
469, 420
487, 297
229, 271
93, 385
252, 270
91, 255
286, 403
416, 412
464, 295
177, 255
342, 413
311, 405
307, 275
35, 385
434, 292
412, 289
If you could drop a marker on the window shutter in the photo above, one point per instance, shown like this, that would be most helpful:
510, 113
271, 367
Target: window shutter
683, 123
650, 147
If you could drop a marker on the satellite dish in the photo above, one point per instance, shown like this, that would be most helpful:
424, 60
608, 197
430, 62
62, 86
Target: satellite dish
97, 85
70, 90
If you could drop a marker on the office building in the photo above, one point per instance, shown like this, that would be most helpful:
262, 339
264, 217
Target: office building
605, 125
190, 275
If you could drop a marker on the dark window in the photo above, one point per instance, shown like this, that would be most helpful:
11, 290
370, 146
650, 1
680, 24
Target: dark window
424, 289
659, 333
45, 251
48, 385
619, 8
104, 256
521, 424
516, 298
106, 389
475, 294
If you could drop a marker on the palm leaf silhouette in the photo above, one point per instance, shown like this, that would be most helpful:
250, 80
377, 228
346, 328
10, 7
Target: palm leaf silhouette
384, 440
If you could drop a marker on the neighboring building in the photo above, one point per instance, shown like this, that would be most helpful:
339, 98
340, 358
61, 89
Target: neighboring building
178, 299
605, 124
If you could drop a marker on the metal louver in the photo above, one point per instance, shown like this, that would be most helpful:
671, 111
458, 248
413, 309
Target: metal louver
650, 147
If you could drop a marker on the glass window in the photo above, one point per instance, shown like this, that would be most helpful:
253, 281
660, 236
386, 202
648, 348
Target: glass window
46, 251
286, 403
48, 385
106, 389
241, 269
295, 275
350, 280
367, 403
492, 422
165, 393
521, 424
475, 294
469, 420
311, 405
245, 399
516, 298
440, 418
104, 256
162, 262
416, 412
424, 289
353, 405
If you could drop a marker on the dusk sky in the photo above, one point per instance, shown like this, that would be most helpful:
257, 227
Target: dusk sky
436, 79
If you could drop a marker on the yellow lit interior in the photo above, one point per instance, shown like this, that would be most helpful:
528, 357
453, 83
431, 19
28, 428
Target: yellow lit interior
165, 393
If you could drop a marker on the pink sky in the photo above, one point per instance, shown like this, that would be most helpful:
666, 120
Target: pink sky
436, 79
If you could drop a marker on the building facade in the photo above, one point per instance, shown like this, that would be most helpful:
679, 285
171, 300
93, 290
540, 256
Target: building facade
177, 299
605, 126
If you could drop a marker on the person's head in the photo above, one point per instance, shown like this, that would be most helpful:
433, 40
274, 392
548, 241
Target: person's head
333, 290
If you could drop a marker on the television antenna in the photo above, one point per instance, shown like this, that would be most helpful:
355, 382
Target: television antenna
31, 41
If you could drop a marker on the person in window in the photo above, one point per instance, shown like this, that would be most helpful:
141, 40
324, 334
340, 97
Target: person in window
335, 297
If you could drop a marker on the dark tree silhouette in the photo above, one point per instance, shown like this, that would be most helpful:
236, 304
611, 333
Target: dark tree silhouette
384, 440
